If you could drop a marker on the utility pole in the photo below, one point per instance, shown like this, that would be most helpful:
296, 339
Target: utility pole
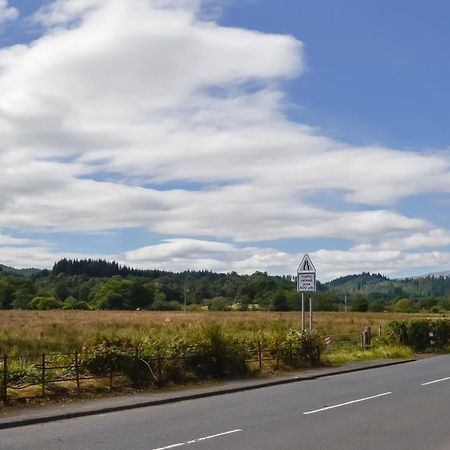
185, 295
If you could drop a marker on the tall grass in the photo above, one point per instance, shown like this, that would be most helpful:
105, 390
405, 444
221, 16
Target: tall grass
339, 357
36, 331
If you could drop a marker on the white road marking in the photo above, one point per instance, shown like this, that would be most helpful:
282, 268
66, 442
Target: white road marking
435, 381
347, 403
193, 441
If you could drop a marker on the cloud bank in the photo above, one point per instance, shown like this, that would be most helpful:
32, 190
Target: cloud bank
130, 114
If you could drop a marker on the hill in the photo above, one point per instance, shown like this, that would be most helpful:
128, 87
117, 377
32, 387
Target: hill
18, 272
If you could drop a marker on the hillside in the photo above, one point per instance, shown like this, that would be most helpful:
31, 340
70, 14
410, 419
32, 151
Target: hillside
18, 272
376, 286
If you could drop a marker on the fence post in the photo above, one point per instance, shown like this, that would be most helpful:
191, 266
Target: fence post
77, 372
159, 370
277, 357
184, 369
5, 378
259, 355
43, 374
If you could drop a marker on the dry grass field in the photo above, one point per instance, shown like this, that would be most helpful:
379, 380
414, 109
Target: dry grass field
35, 331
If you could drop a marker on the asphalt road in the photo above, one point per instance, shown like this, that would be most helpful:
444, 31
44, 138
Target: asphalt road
397, 407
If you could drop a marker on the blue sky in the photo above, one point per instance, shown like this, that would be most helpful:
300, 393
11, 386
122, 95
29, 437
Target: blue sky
226, 135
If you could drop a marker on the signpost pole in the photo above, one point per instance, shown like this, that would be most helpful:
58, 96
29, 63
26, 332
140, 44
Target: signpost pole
310, 314
303, 312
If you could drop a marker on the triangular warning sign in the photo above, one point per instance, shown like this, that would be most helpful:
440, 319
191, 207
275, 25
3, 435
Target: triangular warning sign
306, 265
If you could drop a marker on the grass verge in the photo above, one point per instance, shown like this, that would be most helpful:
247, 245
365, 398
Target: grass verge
340, 357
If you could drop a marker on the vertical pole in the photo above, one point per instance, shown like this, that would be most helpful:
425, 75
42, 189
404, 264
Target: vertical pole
310, 314
345, 303
43, 374
159, 368
5, 378
303, 312
259, 355
77, 372
185, 298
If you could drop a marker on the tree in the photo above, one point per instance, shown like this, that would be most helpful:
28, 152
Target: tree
46, 303
278, 302
404, 305
8, 286
359, 303
218, 304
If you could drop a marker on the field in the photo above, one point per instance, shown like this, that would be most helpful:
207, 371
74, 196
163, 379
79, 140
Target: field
36, 331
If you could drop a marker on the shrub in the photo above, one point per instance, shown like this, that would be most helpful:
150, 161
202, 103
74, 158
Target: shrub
416, 333
46, 303
303, 347
106, 355
215, 353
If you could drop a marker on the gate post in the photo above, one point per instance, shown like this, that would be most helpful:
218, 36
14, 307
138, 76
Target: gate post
5, 379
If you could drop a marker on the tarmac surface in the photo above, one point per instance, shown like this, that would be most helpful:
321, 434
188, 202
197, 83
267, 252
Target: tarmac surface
17, 417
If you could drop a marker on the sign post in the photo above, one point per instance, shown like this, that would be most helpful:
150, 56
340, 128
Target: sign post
306, 282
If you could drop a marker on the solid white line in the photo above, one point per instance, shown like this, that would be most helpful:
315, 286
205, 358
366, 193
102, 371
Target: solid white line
193, 441
347, 403
435, 381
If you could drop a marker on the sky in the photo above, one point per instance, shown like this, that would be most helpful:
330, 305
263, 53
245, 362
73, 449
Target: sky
226, 135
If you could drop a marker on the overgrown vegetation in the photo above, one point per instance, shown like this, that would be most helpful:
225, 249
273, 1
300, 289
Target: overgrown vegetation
146, 349
421, 335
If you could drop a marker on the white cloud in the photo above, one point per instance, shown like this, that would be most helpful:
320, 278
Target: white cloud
120, 103
180, 254
7, 13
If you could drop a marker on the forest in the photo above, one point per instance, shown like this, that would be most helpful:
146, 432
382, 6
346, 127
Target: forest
104, 285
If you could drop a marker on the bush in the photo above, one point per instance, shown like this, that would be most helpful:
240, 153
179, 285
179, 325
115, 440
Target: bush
106, 355
416, 333
303, 347
214, 353
46, 303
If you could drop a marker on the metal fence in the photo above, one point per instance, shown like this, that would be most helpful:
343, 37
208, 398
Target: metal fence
28, 376
345, 342
58, 374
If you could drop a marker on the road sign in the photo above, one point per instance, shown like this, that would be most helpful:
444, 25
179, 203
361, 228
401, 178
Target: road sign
306, 276
306, 265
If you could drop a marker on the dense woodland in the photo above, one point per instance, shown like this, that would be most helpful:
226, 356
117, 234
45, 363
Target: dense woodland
99, 285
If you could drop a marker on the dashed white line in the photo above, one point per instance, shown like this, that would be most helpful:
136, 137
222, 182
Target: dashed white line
193, 441
435, 381
347, 403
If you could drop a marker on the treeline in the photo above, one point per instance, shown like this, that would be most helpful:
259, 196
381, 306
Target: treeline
99, 284
99, 268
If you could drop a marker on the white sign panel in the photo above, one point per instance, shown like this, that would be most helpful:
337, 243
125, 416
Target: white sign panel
306, 282
306, 276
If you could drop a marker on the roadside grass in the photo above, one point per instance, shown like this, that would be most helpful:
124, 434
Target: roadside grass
338, 357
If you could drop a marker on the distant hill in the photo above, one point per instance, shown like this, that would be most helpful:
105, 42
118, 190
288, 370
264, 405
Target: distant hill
18, 272
445, 274
378, 286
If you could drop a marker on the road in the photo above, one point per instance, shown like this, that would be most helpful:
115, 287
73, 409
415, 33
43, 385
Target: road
398, 407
